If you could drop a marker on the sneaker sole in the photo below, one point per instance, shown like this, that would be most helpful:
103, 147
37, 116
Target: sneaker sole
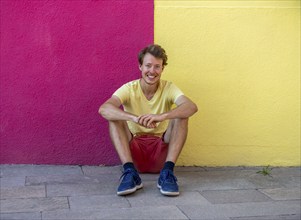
166, 193
129, 191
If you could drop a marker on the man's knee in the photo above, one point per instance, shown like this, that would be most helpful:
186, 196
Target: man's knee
176, 126
119, 127
116, 123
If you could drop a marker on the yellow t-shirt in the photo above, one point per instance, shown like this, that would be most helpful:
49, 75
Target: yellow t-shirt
135, 102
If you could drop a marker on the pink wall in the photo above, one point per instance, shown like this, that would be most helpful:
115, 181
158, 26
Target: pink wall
59, 61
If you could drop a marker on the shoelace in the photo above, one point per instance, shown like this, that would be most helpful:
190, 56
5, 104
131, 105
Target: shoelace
126, 172
169, 176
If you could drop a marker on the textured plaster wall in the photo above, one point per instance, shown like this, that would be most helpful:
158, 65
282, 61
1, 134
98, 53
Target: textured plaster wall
240, 62
59, 61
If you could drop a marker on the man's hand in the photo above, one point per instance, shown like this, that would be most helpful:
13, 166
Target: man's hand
150, 120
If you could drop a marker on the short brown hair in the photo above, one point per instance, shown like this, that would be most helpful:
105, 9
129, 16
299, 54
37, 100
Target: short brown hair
155, 50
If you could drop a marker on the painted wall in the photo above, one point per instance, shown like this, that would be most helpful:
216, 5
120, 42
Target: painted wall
59, 61
240, 62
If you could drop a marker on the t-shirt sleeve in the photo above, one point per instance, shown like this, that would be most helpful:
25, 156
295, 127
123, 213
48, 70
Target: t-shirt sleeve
174, 93
123, 93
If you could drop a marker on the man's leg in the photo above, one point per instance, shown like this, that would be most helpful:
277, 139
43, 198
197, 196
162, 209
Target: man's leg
121, 136
175, 135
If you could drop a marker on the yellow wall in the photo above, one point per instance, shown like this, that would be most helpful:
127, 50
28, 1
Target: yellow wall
240, 62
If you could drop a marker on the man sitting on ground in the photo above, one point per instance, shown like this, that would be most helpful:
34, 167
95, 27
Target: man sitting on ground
148, 134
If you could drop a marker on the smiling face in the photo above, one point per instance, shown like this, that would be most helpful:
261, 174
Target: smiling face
151, 69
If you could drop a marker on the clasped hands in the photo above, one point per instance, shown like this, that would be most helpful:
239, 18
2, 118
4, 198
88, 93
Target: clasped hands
149, 120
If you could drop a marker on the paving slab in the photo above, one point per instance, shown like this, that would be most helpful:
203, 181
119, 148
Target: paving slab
218, 211
289, 181
161, 213
21, 216
203, 212
283, 193
270, 217
227, 168
261, 182
157, 199
89, 192
219, 180
149, 188
33, 205
12, 181
97, 202
286, 171
232, 173
188, 169
40, 170
149, 177
280, 177
97, 170
22, 192
70, 179
234, 196
80, 189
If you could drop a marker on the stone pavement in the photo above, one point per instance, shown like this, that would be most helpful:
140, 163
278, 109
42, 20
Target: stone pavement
30, 192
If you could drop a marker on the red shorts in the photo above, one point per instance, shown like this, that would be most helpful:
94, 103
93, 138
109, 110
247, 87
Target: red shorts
148, 153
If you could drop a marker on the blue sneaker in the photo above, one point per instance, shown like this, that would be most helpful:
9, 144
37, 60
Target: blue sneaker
167, 183
130, 182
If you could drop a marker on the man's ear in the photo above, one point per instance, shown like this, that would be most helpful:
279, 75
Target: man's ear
139, 67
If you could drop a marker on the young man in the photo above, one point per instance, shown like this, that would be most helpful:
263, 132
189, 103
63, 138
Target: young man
148, 134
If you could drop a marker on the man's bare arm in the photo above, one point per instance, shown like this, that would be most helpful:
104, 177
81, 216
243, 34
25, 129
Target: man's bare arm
185, 108
111, 111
